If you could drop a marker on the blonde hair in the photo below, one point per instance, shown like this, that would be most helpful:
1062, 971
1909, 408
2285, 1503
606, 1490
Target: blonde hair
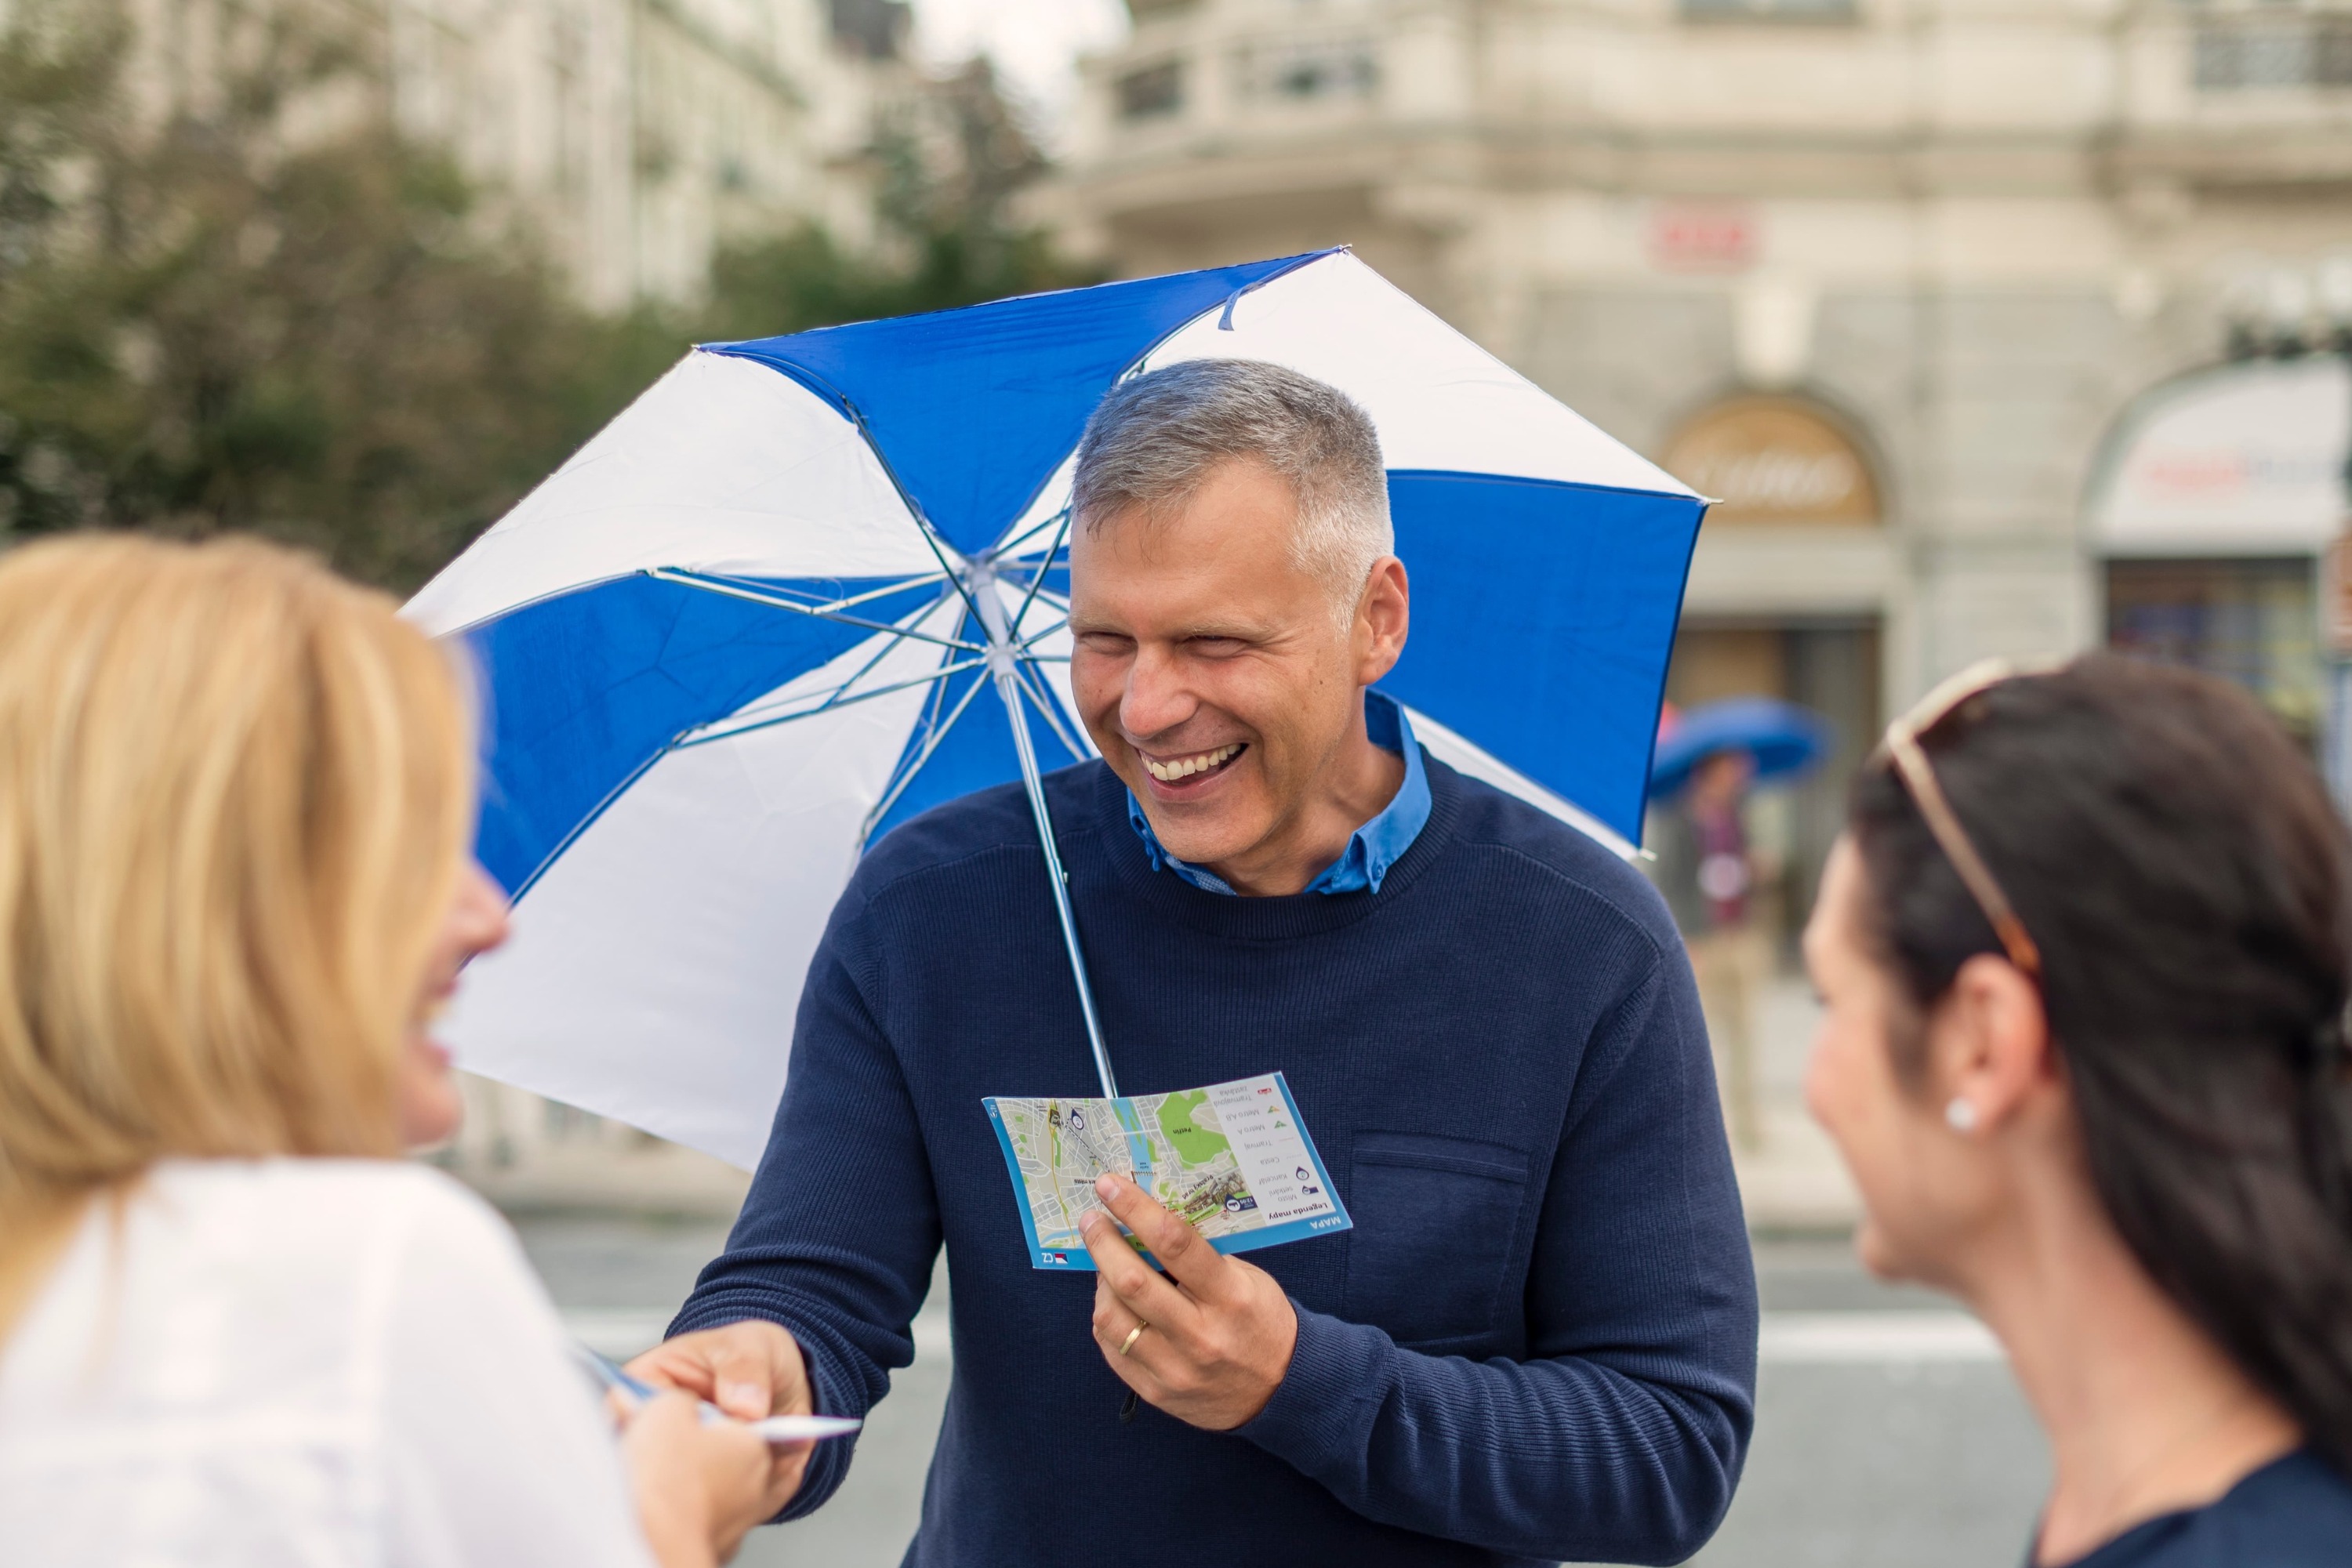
234, 791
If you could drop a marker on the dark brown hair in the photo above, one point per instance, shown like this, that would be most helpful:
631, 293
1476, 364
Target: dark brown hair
2185, 875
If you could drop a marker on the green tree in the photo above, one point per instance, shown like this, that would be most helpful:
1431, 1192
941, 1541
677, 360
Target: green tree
951, 162
206, 324
203, 328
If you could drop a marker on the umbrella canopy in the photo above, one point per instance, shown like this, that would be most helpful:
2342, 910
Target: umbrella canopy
805, 587
1782, 739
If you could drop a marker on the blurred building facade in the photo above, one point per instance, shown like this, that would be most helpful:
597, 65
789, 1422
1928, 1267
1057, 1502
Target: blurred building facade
1908, 283
636, 133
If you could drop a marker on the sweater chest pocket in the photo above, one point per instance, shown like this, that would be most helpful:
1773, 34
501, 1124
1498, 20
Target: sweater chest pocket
1435, 1221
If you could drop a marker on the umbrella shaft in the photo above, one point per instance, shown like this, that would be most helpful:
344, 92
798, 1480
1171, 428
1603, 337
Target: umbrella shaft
1008, 687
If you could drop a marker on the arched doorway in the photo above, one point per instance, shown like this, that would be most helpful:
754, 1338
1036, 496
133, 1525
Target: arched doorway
1774, 461
2212, 511
1790, 594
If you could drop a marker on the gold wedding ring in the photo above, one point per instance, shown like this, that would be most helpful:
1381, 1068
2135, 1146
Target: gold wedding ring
1133, 1334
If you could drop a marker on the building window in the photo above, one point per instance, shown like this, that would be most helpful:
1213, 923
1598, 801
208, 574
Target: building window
1308, 72
2254, 622
1151, 91
1769, 10
2250, 53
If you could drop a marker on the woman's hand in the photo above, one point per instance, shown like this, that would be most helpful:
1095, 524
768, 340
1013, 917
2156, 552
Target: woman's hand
701, 1487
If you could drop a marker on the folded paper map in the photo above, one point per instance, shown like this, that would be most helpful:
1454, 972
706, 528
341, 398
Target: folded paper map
1233, 1159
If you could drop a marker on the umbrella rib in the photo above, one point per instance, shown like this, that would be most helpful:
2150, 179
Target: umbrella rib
937, 701
733, 591
898, 585
587, 821
1010, 546
837, 700
818, 604
832, 703
887, 647
1045, 710
773, 701
1021, 648
856, 416
906, 776
914, 507
1061, 531
1058, 601
938, 550
887, 589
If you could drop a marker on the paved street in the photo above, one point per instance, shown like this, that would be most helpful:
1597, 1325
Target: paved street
1889, 1432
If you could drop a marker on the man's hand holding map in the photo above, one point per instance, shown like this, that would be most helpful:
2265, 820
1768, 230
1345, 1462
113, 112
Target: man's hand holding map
1232, 1159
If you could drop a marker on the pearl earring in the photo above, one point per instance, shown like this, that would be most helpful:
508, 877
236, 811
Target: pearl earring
1961, 1115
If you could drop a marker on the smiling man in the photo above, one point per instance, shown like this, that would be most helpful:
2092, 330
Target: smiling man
1221, 656
1538, 1339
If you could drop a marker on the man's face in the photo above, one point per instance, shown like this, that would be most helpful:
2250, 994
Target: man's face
1209, 670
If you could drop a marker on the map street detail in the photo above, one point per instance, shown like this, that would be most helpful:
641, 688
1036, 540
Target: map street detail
1233, 1159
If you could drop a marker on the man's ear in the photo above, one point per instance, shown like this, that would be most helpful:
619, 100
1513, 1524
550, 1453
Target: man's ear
1990, 1038
1383, 614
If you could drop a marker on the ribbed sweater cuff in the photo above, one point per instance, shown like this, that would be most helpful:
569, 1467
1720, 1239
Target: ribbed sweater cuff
1320, 1417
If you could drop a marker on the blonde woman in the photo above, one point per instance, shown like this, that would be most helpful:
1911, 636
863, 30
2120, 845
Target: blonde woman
235, 800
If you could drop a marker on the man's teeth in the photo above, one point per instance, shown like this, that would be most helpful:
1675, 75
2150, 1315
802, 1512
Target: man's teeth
1185, 767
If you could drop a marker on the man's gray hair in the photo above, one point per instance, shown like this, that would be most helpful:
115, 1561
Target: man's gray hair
1153, 439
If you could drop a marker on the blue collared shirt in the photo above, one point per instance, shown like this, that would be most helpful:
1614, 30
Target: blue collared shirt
1372, 848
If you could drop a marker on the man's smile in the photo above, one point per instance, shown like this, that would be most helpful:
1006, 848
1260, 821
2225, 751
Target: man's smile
1173, 770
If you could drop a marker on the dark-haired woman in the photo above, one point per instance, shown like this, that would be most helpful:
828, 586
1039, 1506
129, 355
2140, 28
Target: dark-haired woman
2085, 950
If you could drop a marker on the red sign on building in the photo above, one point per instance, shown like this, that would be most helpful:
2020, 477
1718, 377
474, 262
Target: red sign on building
1703, 236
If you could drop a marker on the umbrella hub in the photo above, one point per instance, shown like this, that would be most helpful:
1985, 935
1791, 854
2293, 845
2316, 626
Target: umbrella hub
978, 579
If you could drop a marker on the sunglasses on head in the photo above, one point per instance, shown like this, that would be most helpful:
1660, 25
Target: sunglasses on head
1902, 749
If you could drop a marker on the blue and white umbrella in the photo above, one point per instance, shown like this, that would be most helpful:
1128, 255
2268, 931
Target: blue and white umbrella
805, 587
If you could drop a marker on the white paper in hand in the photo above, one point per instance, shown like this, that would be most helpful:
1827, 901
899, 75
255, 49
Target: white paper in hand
806, 1429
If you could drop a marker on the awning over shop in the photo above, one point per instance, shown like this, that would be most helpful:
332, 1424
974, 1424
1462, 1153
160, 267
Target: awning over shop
2242, 461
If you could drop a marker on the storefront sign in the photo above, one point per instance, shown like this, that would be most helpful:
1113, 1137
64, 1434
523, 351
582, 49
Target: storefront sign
1702, 237
1773, 460
2247, 460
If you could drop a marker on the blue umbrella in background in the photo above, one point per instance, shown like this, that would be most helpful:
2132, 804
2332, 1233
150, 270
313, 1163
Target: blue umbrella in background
805, 587
1784, 740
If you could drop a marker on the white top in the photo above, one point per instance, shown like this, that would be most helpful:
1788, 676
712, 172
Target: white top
301, 1362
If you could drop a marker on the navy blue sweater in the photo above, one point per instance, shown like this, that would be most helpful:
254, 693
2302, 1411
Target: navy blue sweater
1537, 1342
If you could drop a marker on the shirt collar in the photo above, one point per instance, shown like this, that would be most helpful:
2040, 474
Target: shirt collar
1372, 848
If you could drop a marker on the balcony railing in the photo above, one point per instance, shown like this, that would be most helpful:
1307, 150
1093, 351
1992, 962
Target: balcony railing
1309, 70
1811, 11
2243, 53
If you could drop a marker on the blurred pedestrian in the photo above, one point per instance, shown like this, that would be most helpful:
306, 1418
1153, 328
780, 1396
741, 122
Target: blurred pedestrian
2084, 950
1710, 875
236, 801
